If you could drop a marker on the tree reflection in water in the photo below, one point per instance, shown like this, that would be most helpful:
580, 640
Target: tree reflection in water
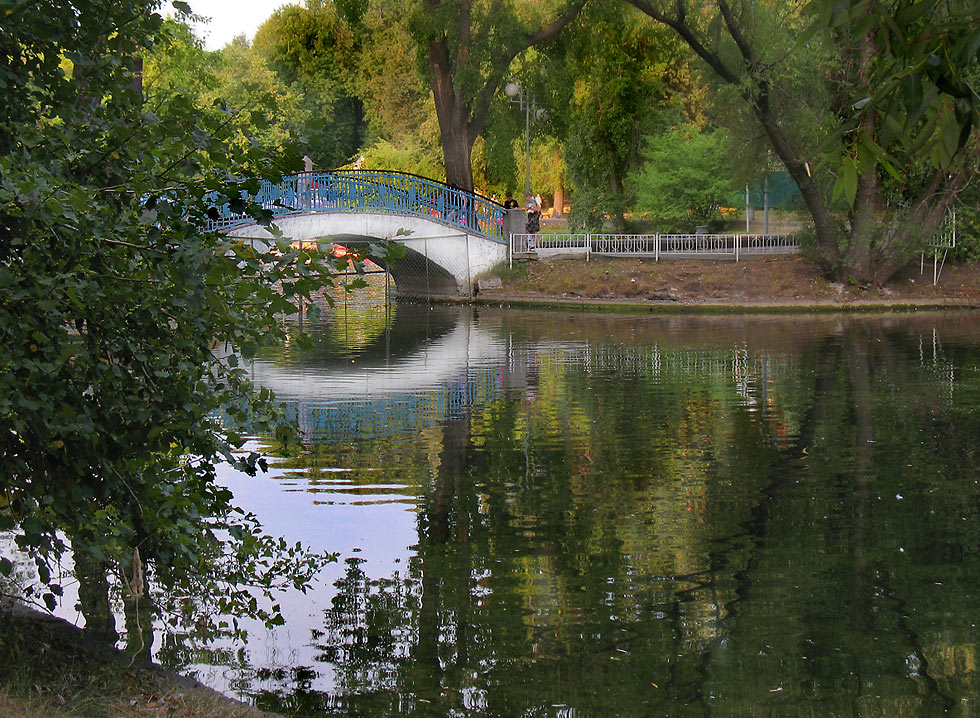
678, 517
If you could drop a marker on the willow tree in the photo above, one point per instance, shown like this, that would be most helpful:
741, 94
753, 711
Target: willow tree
621, 78
868, 105
397, 100
467, 48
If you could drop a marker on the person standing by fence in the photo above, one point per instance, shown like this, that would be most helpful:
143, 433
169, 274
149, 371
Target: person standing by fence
533, 223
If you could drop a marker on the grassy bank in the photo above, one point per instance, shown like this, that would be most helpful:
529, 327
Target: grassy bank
50, 669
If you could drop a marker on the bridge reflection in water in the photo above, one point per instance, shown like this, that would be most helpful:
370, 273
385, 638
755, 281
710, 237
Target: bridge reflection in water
564, 514
467, 365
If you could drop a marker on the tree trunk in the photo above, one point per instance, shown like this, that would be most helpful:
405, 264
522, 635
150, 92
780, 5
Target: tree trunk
823, 223
857, 260
137, 609
457, 154
616, 187
462, 87
457, 144
558, 203
93, 598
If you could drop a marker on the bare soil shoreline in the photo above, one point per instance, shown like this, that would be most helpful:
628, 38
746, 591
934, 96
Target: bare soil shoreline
771, 284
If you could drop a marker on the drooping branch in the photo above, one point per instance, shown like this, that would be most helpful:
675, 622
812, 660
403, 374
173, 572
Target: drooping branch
686, 32
756, 93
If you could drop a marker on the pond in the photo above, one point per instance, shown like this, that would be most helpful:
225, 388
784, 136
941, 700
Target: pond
556, 514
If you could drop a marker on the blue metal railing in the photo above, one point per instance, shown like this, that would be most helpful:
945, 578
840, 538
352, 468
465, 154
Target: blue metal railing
372, 191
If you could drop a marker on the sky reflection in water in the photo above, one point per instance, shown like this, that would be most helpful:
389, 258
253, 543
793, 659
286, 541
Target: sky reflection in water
553, 514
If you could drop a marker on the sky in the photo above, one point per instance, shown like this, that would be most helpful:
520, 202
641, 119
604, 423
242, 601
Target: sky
229, 18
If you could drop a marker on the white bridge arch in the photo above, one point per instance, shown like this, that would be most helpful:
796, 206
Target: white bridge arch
440, 258
450, 235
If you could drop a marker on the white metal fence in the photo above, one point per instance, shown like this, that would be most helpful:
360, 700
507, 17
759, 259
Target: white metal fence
732, 246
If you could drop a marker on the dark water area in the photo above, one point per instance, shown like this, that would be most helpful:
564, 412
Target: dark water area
550, 514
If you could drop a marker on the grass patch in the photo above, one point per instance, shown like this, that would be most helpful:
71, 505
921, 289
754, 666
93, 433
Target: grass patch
50, 669
509, 274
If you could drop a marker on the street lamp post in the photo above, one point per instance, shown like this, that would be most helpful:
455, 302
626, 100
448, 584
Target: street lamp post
527, 102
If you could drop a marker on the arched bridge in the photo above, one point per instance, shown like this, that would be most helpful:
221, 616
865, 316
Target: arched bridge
452, 235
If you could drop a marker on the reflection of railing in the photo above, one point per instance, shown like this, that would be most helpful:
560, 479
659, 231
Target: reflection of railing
398, 412
371, 191
657, 245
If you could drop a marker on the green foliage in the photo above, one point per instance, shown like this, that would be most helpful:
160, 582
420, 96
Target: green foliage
968, 226
313, 50
547, 165
124, 327
622, 73
408, 156
685, 179
306, 41
922, 98
397, 101
232, 85
178, 63
879, 114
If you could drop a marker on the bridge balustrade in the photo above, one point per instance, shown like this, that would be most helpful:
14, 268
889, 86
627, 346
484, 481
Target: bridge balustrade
371, 191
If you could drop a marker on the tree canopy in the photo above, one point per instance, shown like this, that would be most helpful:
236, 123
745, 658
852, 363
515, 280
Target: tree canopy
685, 178
621, 79
869, 106
124, 322
313, 50
467, 49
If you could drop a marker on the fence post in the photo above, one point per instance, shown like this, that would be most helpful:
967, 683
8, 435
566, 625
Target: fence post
588, 246
469, 270
656, 247
738, 242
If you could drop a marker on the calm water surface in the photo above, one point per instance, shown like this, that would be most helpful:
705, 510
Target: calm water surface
549, 514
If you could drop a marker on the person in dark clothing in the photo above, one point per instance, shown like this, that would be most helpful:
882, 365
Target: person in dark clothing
533, 224
510, 202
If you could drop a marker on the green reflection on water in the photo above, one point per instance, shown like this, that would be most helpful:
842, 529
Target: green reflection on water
667, 517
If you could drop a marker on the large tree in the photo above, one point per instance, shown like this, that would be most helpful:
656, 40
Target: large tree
123, 321
232, 84
467, 48
867, 104
313, 49
621, 78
